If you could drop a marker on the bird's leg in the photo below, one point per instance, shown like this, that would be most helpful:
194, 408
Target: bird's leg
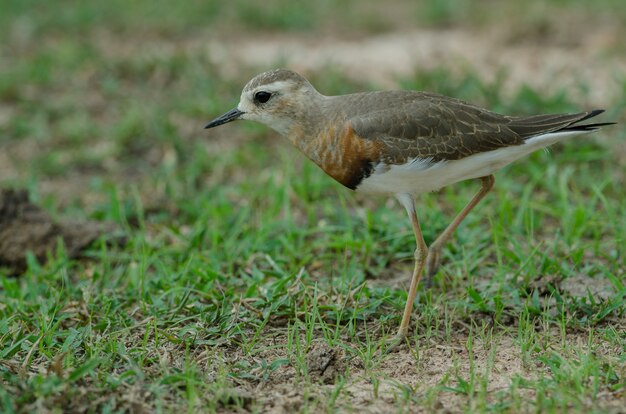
421, 252
434, 254
431, 256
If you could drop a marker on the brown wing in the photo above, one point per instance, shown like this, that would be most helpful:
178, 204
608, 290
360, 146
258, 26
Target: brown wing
424, 125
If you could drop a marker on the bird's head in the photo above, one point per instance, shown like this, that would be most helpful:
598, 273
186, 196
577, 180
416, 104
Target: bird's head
278, 98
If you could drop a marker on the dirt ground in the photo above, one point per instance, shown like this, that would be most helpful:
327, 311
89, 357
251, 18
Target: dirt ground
498, 361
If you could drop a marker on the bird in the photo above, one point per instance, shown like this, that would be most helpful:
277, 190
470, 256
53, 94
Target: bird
401, 143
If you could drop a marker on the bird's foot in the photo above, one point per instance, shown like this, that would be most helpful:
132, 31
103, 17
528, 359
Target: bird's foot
394, 343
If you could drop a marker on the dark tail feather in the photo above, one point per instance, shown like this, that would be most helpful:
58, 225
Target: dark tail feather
587, 127
531, 126
575, 126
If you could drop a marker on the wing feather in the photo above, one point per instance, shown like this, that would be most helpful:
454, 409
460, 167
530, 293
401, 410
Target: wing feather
430, 126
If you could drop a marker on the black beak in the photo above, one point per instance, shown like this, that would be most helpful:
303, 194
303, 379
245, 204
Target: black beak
231, 115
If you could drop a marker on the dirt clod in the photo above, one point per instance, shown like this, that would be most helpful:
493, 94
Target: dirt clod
236, 397
25, 227
323, 363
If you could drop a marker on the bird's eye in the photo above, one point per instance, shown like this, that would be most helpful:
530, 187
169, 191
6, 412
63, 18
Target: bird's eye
262, 96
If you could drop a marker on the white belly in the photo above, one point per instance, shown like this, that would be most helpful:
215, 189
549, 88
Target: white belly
422, 175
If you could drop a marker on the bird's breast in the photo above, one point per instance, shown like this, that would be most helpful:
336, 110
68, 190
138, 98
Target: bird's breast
342, 154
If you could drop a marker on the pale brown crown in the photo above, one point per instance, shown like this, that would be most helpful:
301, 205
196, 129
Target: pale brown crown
274, 76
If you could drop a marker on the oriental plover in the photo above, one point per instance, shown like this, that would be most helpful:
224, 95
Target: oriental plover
400, 143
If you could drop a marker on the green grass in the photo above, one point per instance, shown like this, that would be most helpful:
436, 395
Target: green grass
247, 269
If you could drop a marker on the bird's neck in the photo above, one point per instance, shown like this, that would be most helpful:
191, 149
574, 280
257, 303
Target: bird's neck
306, 123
